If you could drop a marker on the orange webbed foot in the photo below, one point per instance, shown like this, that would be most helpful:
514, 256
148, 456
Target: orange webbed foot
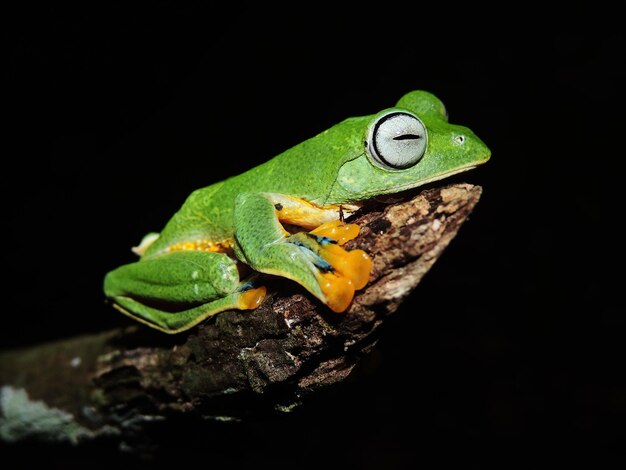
348, 270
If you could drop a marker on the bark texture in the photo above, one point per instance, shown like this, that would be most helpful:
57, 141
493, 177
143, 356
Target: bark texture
238, 364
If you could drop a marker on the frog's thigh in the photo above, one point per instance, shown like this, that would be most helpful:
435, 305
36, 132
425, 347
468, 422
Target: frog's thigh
260, 238
316, 262
193, 284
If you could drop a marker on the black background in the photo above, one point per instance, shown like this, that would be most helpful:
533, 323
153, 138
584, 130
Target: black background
514, 341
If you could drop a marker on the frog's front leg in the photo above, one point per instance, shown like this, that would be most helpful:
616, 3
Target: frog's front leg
314, 259
174, 291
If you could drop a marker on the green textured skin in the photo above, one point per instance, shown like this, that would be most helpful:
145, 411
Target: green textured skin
330, 168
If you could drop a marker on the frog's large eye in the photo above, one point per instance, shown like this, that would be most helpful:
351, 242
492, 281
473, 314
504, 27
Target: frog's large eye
396, 139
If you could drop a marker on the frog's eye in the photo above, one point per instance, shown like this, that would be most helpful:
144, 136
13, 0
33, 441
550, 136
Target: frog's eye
396, 140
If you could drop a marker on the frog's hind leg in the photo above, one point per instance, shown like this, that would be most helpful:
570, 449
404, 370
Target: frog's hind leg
176, 322
175, 291
315, 259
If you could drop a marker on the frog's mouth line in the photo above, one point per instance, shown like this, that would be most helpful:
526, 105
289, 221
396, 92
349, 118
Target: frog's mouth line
446, 175
412, 185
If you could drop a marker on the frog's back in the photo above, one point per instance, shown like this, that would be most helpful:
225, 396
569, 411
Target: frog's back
307, 171
204, 220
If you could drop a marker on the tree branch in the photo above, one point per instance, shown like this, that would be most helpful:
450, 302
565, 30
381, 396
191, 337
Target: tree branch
239, 364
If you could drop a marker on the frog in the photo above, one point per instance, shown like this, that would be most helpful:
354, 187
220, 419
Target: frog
289, 217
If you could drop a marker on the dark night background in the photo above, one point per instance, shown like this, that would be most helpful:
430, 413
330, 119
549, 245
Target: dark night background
515, 340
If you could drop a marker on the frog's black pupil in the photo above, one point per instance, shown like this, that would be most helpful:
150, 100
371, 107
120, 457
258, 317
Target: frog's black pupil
407, 137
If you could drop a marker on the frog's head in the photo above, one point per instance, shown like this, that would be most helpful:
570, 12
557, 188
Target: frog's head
407, 146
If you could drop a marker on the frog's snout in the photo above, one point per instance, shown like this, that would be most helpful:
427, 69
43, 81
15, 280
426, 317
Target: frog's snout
470, 145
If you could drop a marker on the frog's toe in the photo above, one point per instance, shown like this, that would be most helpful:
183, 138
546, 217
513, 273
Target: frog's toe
251, 298
337, 230
338, 291
354, 265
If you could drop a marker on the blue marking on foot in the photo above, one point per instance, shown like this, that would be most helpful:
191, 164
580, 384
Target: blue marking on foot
323, 240
317, 260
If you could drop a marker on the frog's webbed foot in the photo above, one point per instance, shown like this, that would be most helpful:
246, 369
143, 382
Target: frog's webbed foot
339, 272
314, 259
